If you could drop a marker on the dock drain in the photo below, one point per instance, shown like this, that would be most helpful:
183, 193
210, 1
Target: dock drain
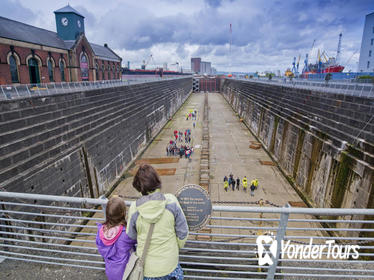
160, 171
297, 204
267, 162
255, 145
157, 160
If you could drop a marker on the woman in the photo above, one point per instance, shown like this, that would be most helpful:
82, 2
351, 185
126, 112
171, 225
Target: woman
170, 230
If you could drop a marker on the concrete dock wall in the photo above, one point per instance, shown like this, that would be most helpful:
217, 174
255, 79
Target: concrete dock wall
78, 144
313, 138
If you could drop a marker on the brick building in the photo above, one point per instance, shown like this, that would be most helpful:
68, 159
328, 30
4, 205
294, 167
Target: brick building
31, 55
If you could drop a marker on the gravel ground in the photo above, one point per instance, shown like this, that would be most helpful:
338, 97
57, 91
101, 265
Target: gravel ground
15, 270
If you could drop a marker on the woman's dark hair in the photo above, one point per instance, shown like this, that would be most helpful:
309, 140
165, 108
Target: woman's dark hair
146, 180
115, 212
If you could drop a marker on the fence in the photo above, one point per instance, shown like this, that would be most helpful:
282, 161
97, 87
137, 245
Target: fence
59, 230
340, 87
8, 92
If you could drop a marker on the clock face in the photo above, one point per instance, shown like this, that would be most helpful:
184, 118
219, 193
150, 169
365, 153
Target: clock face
79, 23
64, 21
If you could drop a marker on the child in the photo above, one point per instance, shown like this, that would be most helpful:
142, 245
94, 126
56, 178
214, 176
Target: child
112, 241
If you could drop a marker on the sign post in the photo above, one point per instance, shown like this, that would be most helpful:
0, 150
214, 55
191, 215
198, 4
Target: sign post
196, 205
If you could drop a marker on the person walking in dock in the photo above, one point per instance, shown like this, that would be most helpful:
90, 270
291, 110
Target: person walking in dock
253, 190
225, 183
237, 183
232, 181
254, 183
245, 183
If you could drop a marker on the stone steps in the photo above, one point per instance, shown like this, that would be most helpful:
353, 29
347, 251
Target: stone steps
365, 152
320, 120
63, 124
367, 146
321, 109
63, 143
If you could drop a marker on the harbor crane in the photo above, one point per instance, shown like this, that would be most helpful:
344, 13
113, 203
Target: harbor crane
339, 48
177, 64
306, 63
146, 62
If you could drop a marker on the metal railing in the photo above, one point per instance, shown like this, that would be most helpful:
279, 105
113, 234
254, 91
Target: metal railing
8, 92
340, 87
59, 230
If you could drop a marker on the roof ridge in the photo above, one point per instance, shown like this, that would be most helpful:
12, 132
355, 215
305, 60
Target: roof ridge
30, 25
68, 9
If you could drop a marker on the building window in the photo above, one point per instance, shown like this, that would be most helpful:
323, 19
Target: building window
103, 71
34, 70
50, 69
13, 69
368, 65
97, 71
109, 77
372, 42
62, 70
369, 53
84, 67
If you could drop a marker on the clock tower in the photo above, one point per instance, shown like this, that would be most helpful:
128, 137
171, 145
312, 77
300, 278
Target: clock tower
69, 23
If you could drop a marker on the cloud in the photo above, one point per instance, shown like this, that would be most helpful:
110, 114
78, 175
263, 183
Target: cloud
266, 35
15, 10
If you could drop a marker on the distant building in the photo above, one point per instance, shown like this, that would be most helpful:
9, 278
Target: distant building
31, 55
366, 62
201, 67
205, 68
195, 64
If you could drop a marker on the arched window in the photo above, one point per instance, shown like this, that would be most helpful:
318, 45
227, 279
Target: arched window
103, 71
62, 70
33, 70
13, 69
84, 67
50, 66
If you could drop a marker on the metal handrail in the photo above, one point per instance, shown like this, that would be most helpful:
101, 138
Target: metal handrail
16, 91
62, 232
330, 86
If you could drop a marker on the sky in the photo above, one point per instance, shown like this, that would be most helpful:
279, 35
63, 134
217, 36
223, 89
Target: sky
266, 35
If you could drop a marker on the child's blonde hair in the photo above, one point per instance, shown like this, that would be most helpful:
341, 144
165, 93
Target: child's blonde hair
115, 212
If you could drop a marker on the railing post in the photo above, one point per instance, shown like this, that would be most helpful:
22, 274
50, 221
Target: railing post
281, 232
6, 97
27, 87
103, 205
16, 91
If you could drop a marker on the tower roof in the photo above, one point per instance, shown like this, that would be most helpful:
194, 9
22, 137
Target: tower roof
68, 9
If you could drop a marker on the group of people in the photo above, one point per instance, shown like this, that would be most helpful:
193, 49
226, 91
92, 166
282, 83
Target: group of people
172, 149
192, 115
178, 136
230, 181
117, 237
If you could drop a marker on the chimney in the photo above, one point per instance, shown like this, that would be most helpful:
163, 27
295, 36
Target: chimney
106, 45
